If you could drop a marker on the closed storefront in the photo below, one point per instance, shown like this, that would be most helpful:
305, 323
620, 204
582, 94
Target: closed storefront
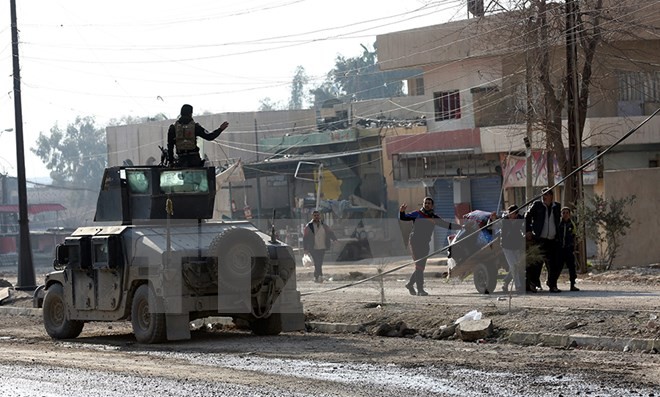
443, 198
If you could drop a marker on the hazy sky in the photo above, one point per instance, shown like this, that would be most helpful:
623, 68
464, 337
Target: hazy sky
141, 58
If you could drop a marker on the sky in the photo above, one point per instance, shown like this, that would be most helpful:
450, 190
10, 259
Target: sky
143, 58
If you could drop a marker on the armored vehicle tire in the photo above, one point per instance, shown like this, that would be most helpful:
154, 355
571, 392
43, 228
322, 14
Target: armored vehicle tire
271, 325
242, 257
57, 324
148, 327
485, 278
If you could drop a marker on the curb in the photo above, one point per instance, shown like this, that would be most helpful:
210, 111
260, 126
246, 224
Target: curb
529, 338
20, 311
516, 338
579, 340
334, 328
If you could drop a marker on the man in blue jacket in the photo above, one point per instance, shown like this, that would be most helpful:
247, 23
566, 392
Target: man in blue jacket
424, 223
541, 225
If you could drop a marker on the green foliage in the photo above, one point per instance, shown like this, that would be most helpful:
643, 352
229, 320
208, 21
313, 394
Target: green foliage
298, 89
359, 78
327, 90
128, 120
267, 104
352, 79
75, 156
606, 221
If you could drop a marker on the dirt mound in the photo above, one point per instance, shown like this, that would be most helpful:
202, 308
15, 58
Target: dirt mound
649, 275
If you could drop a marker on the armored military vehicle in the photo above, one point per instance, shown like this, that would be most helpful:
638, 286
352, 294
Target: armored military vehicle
157, 258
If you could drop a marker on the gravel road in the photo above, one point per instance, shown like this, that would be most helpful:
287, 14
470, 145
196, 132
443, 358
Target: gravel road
106, 361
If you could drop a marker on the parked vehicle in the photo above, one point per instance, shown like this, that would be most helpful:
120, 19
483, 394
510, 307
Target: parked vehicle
158, 260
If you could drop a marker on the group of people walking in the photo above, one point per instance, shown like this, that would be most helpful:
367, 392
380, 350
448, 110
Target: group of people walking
544, 235
549, 227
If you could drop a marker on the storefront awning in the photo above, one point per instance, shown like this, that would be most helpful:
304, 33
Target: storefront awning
428, 153
289, 163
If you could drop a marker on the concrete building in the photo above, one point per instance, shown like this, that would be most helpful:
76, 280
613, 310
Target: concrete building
472, 92
457, 136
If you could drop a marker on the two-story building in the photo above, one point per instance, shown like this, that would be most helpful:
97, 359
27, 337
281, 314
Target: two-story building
473, 94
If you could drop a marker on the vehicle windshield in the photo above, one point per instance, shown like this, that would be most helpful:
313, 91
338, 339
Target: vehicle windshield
184, 181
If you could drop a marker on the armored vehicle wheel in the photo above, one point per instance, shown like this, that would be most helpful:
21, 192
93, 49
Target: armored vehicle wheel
271, 325
148, 327
485, 278
242, 259
57, 324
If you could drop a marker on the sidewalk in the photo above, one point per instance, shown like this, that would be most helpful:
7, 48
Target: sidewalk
370, 266
598, 305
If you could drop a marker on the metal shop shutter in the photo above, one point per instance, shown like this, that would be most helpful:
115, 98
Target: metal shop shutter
485, 194
443, 198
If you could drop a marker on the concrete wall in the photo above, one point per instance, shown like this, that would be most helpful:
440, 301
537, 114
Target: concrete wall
461, 76
641, 245
397, 108
139, 143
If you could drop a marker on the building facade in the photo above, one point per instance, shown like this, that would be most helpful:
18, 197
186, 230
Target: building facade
476, 102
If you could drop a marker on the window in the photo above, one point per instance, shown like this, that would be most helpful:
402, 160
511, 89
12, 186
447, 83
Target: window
100, 252
639, 86
419, 86
138, 181
184, 181
447, 105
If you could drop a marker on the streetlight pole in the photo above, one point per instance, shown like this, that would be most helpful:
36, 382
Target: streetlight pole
26, 280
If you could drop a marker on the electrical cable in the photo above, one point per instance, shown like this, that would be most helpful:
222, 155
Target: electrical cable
446, 247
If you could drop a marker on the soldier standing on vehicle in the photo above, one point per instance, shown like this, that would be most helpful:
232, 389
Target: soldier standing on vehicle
424, 223
566, 236
317, 238
183, 134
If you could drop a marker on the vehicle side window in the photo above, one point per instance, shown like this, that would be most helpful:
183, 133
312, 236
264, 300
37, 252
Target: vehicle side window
74, 256
138, 181
100, 253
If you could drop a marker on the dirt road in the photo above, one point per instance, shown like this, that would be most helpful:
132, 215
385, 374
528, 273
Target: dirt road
617, 306
105, 361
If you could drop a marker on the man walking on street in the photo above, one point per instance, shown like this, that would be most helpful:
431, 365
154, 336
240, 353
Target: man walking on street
317, 238
566, 236
424, 223
541, 222
513, 247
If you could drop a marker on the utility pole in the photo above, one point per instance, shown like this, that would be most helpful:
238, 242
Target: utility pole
26, 280
256, 151
571, 105
529, 159
574, 183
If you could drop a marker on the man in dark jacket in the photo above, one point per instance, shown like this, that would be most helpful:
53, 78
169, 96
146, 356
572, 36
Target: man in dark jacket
513, 247
317, 238
424, 223
566, 237
183, 134
541, 223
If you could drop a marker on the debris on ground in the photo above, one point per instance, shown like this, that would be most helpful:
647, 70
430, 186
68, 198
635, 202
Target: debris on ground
473, 330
